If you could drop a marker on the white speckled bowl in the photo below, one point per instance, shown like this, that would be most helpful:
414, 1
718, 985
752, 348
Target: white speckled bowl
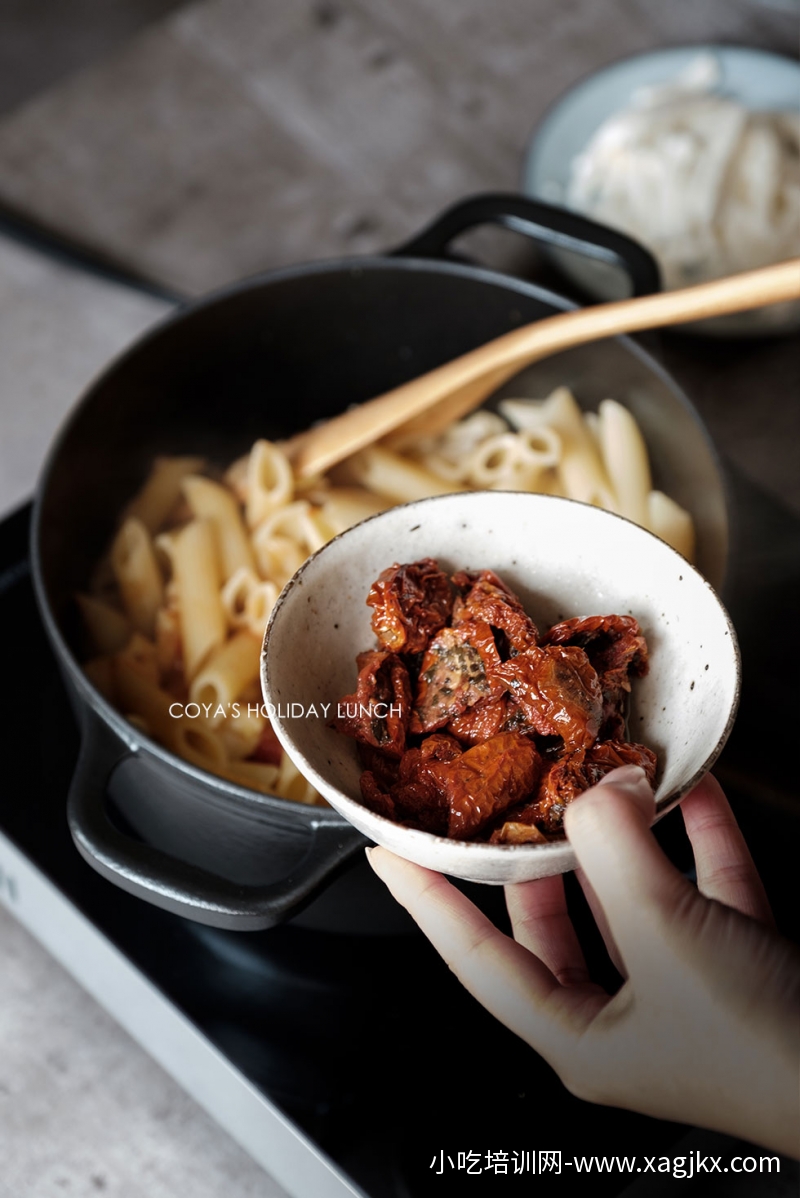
563, 559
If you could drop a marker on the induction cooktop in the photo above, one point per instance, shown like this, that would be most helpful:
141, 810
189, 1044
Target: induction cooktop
356, 1065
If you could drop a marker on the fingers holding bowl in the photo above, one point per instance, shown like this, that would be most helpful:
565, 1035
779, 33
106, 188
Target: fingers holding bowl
725, 869
507, 979
541, 923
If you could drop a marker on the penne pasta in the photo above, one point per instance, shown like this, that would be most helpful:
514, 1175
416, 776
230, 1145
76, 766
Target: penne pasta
108, 628
195, 740
671, 522
228, 670
138, 576
343, 507
395, 477
278, 558
197, 574
103, 584
581, 470
291, 784
296, 522
256, 775
270, 483
235, 477
137, 695
540, 446
162, 490
593, 424
495, 458
139, 655
178, 607
210, 501
168, 643
248, 601
241, 733
456, 443
625, 458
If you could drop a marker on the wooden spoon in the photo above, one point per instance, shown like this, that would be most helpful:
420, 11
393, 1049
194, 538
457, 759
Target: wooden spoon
426, 405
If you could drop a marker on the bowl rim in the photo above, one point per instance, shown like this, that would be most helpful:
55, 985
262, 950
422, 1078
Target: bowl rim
663, 805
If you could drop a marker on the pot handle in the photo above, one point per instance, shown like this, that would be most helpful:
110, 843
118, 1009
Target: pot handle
557, 227
175, 885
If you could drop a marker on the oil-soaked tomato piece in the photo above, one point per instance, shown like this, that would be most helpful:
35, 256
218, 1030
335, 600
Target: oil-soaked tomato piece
454, 674
559, 692
411, 603
489, 718
378, 713
484, 596
485, 780
418, 798
514, 832
571, 776
617, 650
506, 727
374, 797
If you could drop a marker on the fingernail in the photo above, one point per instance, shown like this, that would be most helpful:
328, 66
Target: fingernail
376, 861
627, 776
633, 781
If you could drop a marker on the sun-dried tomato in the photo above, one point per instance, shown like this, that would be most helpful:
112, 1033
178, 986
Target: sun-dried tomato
454, 674
489, 718
617, 650
411, 603
438, 747
383, 767
571, 776
485, 780
379, 711
408, 788
542, 720
514, 832
375, 797
559, 692
484, 596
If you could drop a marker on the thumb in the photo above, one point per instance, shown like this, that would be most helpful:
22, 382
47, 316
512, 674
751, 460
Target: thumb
608, 826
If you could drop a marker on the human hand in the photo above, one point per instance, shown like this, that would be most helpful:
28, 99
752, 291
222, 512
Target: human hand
705, 1028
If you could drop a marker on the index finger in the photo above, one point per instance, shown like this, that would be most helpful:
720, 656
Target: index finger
504, 977
638, 888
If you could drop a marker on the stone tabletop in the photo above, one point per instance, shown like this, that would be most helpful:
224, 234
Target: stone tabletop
237, 135
233, 136
84, 1113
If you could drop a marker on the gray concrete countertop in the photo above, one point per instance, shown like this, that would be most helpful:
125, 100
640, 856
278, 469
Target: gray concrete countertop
233, 136
84, 1112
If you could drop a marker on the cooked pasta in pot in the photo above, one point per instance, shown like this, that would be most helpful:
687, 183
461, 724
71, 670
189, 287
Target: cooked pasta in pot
179, 605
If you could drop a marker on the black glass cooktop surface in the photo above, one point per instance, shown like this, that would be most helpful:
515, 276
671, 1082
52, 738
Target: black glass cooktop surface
368, 1043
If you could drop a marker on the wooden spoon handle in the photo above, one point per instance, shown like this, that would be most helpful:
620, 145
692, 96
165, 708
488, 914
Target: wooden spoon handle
464, 383
720, 297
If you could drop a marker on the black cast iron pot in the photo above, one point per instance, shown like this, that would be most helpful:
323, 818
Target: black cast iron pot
265, 359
